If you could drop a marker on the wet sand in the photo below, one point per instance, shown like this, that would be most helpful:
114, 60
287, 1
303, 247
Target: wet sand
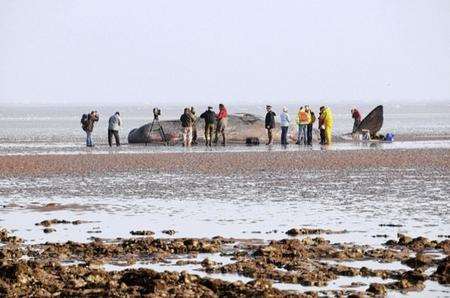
345, 242
217, 162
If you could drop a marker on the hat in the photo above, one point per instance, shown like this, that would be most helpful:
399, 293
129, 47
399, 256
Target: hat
268, 106
210, 107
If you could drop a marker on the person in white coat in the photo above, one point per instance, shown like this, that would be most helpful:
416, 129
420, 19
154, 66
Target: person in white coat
285, 121
114, 125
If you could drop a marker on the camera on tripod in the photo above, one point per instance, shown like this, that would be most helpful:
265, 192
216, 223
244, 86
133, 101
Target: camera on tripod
156, 113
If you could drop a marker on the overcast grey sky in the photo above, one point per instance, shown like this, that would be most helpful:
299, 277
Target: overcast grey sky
236, 51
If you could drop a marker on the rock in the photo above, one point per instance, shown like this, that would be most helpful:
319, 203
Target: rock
77, 283
142, 233
391, 225
406, 285
377, 289
421, 243
49, 230
49, 222
445, 246
346, 271
6, 238
414, 276
311, 231
207, 263
442, 273
185, 262
78, 222
45, 223
260, 284
169, 232
380, 236
403, 239
420, 260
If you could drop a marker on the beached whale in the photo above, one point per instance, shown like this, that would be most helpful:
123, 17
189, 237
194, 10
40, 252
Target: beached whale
239, 128
373, 121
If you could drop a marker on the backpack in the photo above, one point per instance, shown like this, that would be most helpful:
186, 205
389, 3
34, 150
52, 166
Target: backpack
84, 121
313, 118
252, 141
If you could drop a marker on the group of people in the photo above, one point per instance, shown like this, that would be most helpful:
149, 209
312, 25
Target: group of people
304, 120
114, 125
215, 124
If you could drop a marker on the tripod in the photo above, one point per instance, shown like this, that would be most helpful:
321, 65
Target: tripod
156, 125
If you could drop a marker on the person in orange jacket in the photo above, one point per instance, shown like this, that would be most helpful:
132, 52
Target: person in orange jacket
303, 119
222, 121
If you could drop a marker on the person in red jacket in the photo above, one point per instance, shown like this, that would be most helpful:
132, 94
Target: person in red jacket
357, 119
222, 120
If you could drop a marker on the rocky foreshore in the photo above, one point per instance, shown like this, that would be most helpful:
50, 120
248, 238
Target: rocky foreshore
77, 269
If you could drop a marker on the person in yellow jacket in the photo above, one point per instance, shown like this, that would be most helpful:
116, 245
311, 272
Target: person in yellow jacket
327, 116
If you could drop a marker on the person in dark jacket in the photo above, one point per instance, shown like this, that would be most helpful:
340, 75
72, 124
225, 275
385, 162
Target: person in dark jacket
357, 119
309, 129
270, 124
210, 117
89, 127
321, 126
186, 122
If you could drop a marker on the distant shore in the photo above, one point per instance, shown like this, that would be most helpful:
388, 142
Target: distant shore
219, 163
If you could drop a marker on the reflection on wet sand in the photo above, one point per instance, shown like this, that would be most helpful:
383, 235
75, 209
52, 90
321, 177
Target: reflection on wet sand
346, 207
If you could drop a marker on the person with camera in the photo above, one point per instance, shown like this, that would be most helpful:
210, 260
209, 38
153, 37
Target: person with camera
210, 117
187, 120
114, 125
222, 121
88, 127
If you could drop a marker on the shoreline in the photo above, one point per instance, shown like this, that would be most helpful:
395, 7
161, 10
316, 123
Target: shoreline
222, 162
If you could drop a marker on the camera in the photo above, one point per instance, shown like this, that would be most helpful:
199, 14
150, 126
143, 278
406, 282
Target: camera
156, 112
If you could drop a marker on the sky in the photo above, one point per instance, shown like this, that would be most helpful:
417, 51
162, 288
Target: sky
106, 51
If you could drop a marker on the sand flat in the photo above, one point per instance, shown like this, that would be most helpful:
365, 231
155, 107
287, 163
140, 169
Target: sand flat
223, 162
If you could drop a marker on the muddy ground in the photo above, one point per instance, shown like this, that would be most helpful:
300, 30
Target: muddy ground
222, 163
77, 269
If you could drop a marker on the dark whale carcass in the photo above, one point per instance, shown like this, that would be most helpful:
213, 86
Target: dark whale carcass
240, 127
